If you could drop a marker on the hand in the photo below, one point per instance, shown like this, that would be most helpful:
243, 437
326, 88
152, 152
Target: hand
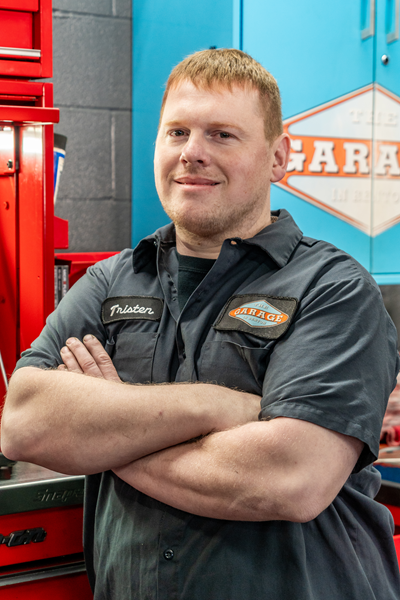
233, 408
88, 358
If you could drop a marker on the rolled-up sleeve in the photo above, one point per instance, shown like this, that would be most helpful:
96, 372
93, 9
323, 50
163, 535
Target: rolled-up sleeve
77, 315
338, 362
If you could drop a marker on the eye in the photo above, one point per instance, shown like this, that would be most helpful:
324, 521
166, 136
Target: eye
177, 133
224, 135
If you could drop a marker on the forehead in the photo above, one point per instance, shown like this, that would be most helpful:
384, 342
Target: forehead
186, 99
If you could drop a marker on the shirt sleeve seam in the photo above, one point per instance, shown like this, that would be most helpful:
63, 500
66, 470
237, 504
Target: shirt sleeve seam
296, 412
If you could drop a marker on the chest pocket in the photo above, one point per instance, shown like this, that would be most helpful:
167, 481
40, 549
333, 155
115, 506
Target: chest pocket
133, 356
235, 363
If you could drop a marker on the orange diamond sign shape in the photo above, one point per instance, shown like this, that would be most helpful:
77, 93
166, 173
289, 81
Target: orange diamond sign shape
335, 165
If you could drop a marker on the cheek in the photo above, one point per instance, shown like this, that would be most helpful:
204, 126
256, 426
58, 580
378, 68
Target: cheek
165, 161
243, 174
160, 169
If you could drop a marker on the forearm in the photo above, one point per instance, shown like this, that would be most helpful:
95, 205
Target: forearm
256, 472
79, 424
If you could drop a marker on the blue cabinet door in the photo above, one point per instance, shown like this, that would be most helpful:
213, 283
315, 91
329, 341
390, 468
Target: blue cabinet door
386, 182
322, 55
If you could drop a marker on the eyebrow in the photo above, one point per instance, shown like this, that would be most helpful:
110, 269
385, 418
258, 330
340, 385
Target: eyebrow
218, 125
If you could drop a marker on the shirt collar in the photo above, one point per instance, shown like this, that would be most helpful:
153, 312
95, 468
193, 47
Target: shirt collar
147, 247
278, 240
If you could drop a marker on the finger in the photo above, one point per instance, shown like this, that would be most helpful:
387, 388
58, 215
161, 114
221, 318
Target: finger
83, 358
62, 368
101, 357
69, 360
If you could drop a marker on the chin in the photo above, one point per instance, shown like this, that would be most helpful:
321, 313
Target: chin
201, 227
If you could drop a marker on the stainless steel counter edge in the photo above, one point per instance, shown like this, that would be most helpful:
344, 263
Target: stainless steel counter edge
37, 575
40, 494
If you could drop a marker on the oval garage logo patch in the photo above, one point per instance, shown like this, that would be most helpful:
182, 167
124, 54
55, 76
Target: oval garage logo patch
259, 314
264, 316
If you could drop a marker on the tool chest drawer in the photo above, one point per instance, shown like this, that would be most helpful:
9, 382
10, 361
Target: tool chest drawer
25, 38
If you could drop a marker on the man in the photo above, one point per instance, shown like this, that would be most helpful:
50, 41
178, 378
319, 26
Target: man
193, 490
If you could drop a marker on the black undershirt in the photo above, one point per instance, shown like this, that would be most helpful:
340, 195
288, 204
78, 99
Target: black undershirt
192, 271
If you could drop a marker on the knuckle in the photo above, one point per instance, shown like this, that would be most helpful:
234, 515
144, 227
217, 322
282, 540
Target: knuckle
73, 343
103, 359
87, 364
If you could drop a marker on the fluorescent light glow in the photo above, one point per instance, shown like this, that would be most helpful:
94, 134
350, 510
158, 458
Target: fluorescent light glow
7, 140
32, 142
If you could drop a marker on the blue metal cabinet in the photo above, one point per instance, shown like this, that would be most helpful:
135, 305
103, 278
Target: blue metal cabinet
386, 254
341, 109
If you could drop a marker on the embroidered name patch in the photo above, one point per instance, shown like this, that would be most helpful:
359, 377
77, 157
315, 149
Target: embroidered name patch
123, 308
263, 316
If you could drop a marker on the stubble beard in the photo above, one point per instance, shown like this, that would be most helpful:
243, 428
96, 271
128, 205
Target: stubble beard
217, 224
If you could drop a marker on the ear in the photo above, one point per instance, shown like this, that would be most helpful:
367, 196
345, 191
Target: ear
281, 151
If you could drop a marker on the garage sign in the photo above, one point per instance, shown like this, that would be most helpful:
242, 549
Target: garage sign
335, 165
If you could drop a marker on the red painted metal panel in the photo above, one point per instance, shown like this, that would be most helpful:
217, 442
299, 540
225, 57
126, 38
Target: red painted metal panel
68, 587
26, 5
64, 534
8, 276
41, 39
80, 261
397, 546
395, 510
48, 232
60, 233
16, 29
26, 301
19, 68
28, 114
7, 150
31, 295
21, 88
31, 234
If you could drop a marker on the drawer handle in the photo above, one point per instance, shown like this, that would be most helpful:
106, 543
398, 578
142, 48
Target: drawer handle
392, 36
369, 31
22, 52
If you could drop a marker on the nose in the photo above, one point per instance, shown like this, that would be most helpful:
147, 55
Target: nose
195, 151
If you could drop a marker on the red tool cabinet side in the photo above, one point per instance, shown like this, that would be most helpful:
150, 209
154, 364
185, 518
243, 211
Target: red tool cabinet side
26, 216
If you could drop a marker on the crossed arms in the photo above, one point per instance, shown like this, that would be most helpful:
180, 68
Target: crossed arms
82, 419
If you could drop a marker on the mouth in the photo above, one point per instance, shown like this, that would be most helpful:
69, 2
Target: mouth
196, 182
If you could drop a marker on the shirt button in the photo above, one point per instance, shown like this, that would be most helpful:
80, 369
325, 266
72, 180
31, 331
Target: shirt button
168, 554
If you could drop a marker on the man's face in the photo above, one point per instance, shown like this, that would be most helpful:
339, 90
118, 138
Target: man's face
213, 165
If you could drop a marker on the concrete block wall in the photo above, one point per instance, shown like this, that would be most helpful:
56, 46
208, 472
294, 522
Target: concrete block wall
92, 50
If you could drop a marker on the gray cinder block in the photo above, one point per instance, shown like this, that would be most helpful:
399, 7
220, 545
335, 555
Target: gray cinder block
92, 86
96, 7
122, 8
96, 225
87, 168
121, 154
92, 62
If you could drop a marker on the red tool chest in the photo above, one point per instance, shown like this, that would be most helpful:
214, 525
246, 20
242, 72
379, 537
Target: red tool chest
41, 553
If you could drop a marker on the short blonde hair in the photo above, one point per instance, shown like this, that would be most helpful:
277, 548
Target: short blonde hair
227, 67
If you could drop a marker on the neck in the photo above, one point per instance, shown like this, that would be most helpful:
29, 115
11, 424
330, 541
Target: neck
189, 247
190, 244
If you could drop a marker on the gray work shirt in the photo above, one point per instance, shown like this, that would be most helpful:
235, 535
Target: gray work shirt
292, 319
